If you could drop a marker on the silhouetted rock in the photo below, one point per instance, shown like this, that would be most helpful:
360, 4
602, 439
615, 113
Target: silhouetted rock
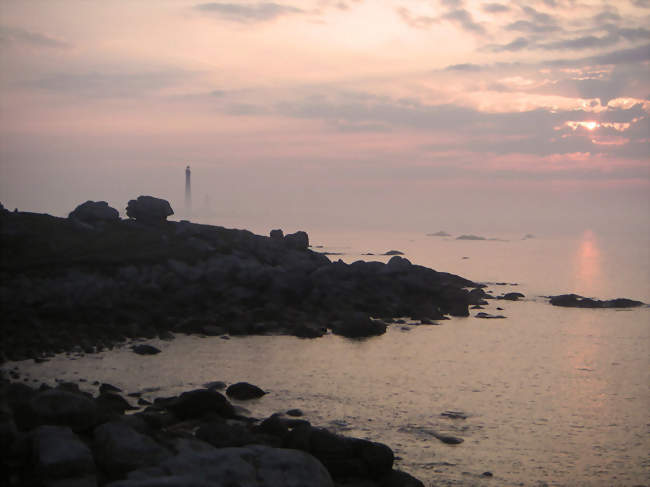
470, 237
149, 209
276, 234
576, 301
105, 387
144, 349
60, 407
199, 402
119, 449
94, 211
297, 241
394, 252
243, 391
60, 455
439, 234
488, 316
511, 296
358, 325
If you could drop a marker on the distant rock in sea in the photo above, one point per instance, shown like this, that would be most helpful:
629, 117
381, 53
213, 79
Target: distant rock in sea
576, 301
528, 236
394, 252
470, 237
439, 234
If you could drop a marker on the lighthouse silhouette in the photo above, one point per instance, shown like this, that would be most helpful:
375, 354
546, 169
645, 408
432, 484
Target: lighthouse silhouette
188, 192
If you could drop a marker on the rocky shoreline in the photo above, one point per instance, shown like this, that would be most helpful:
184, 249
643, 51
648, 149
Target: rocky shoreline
93, 280
62, 436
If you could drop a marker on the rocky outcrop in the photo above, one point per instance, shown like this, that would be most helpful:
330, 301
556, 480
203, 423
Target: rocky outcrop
91, 287
189, 445
148, 209
243, 391
576, 301
94, 211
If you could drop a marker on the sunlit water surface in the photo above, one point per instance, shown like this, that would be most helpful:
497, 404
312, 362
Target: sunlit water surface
553, 396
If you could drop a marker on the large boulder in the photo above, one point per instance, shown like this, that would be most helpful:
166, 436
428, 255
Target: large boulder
253, 466
243, 391
199, 402
120, 449
94, 211
60, 454
64, 408
149, 209
358, 325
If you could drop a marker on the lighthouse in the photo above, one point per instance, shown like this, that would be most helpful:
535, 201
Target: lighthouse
188, 192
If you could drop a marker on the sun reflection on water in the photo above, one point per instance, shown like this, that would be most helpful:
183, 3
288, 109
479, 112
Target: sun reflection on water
587, 264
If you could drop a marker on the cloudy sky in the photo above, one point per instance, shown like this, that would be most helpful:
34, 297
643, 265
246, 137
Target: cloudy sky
406, 114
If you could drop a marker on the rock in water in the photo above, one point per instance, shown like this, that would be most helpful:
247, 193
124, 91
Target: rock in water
94, 211
144, 349
243, 391
148, 209
576, 301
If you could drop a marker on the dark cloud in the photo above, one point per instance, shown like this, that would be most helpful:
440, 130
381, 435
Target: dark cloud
495, 8
642, 3
517, 45
16, 35
538, 17
614, 36
531, 27
257, 12
607, 16
464, 67
622, 56
452, 3
463, 18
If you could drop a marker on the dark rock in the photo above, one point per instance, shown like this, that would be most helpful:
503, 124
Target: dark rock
487, 316
297, 241
244, 391
294, 412
488, 474
397, 478
197, 403
104, 387
394, 252
449, 440
439, 234
149, 209
470, 237
358, 325
60, 454
109, 401
576, 301
217, 385
119, 449
454, 415
144, 349
60, 407
511, 296
222, 435
94, 211
276, 234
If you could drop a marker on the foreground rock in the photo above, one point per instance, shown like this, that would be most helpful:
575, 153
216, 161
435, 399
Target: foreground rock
135, 278
194, 439
576, 301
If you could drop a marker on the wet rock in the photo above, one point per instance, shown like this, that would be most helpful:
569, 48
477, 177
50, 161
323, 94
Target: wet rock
243, 391
60, 454
104, 387
511, 296
197, 403
487, 316
488, 474
119, 449
454, 415
149, 209
294, 412
394, 252
577, 301
144, 349
94, 211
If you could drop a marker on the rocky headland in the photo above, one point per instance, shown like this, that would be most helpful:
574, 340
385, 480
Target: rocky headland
92, 280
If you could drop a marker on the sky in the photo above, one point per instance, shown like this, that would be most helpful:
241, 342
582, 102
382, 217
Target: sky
419, 115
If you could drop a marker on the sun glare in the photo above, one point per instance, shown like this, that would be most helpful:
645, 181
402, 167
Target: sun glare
590, 125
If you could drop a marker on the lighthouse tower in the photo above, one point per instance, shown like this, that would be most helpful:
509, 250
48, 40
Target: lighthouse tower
188, 192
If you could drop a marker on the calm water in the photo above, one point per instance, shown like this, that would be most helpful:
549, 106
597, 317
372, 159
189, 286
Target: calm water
553, 396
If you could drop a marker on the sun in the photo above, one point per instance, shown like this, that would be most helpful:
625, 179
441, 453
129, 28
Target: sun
590, 125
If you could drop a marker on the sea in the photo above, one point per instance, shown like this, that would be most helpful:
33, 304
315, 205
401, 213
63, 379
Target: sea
547, 396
